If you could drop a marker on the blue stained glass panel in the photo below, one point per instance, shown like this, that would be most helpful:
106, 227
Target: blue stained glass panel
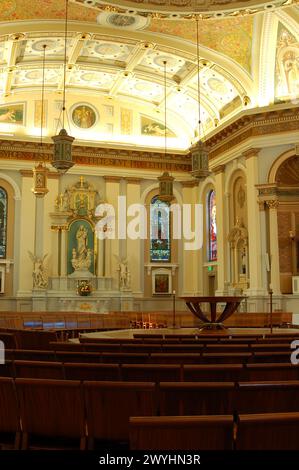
159, 230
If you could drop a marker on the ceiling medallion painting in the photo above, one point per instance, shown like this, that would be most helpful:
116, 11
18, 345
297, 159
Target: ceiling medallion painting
84, 116
119, 20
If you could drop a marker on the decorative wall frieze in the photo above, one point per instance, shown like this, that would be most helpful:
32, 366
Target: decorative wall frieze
251, 126
95, 156
168, 9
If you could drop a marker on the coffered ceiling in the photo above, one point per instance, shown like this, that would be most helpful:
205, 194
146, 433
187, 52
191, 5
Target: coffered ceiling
116, 57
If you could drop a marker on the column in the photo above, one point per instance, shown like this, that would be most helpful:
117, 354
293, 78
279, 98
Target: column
190, 257
229, 268
112, 251
100, 260
221, 230
63, 253
27, 233
135, 262
274, 246
254, 225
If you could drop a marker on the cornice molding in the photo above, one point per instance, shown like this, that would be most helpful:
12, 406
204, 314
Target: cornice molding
253, 126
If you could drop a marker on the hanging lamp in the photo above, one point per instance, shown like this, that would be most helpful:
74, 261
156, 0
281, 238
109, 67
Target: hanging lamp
62, 156
40, 170
199, 152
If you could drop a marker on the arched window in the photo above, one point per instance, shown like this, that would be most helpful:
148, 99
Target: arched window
159, 230
212, 227
3, 222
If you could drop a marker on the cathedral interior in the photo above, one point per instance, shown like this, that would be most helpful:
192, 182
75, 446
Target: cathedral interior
139, 87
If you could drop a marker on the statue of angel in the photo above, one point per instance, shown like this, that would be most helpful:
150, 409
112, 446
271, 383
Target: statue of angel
40, 279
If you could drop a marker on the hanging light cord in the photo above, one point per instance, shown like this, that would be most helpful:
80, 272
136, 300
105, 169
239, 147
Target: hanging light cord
198, 82
165, 109
65, 57
43, 95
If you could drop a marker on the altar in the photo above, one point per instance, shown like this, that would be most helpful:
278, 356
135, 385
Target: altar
80, 259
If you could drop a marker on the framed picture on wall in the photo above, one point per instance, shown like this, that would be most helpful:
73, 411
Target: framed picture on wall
161, 282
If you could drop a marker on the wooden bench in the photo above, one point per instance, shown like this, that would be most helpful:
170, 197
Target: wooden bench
271, 431
181, 433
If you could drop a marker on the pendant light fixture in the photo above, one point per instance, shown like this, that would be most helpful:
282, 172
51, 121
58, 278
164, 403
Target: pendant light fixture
62, 156
166, 180
40, 171
199, 152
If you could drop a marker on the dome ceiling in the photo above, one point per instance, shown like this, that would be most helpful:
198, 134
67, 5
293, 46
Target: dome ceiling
116, 63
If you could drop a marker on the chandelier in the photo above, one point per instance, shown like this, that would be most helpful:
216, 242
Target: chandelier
40, 170
62, 156
198, 151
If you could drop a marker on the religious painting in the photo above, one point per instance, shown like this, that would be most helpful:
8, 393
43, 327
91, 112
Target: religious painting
3, 222
286, 66
84, 116
212, 226
154, 128
80, 249
12, 114
126, 119
161, 281
38, 113
159, 230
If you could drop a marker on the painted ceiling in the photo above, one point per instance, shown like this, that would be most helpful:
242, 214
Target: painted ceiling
118, 57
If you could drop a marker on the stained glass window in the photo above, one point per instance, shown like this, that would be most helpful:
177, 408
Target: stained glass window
159, 230
212, 227
3, 222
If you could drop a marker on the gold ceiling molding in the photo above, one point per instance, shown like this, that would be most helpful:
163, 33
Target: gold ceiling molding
128, 159
255, 125
185, 9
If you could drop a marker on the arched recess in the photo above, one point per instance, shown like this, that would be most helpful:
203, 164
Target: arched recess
237, 236
277, 164
6, 268
153, 266
284, 175
209, 266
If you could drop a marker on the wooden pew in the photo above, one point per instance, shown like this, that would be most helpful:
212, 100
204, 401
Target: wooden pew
271, 431
181, 433
196, 398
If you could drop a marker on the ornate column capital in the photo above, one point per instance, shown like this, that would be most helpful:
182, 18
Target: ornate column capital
189, 183
272, 203
132, 180
251, 153
112, 178
219, 169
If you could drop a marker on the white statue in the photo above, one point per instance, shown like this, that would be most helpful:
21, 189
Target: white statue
82, 257
40, 278
124, 274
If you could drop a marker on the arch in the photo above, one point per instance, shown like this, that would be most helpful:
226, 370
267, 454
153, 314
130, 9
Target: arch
153, 186
277, 163
230, 176
208, 182
14, 185
211, 225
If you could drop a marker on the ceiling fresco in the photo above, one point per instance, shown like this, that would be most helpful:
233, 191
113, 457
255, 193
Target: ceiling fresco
117, 60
